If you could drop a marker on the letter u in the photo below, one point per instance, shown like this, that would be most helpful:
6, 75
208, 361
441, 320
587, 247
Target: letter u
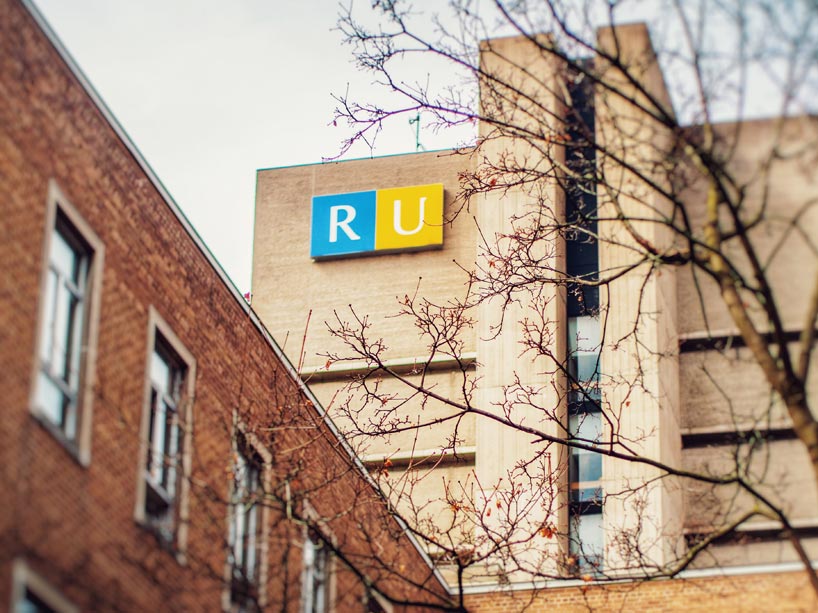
397, 218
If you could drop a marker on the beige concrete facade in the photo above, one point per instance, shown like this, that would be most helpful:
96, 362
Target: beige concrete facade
641, 384
502, 452
674, 400
373, 286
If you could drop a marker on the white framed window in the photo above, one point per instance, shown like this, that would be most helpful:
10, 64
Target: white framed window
62, 393
30, 593
166, 435
167, 375
315, 586
248, 521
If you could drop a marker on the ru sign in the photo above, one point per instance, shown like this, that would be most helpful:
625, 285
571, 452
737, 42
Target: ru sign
396, 219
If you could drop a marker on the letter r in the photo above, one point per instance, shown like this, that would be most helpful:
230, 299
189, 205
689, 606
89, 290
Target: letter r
335, 222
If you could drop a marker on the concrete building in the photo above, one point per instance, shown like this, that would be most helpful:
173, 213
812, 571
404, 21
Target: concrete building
158, 450
659, 362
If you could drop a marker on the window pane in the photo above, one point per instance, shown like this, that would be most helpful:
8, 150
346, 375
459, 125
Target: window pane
583, 357
64, 257
171, 449
583, 335
586, 426
237, 534
585, 466
158, 433
587, 495
151, 425
61, 319
47, 341
32, 604
160, 372
316, 561
70, 373
588, 541
49, 399
251, 540
69, 414
587, 368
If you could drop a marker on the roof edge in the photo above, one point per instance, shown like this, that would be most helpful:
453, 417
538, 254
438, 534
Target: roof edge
328, 161
120, 132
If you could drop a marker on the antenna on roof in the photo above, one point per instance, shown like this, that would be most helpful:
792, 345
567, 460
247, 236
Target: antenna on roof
416, 120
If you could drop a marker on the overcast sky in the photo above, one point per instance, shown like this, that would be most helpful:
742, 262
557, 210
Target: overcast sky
210, 91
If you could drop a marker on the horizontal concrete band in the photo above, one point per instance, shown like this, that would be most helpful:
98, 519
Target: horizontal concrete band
401, 366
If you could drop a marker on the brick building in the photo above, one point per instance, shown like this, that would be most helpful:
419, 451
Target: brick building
158, 451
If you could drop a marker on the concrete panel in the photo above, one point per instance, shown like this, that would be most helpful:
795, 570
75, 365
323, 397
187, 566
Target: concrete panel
372, 285
405, 410
787, 250
779, 469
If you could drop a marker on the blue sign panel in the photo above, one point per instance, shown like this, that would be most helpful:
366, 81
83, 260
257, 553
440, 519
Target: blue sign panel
343, 224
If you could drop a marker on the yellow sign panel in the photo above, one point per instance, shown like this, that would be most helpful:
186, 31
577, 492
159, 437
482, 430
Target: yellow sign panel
409, 217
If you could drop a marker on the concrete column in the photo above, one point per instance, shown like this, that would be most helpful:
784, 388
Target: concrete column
521, 93
639, 362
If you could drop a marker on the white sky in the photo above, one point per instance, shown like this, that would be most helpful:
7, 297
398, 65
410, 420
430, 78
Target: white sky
210, 91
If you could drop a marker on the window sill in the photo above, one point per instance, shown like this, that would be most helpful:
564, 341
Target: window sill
68, 444
161, 539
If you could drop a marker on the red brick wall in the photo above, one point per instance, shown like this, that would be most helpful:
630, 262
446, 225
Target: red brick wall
763, 593
75, 525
